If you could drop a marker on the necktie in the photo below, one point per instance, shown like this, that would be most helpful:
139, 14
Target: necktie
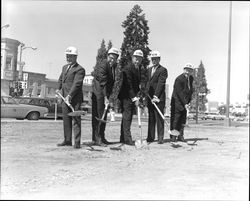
113, 72
69, 67
188, 82
153, 71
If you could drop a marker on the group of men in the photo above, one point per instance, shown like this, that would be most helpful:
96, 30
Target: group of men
131, 85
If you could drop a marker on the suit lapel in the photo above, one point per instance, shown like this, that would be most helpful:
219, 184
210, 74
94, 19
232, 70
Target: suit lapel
70, 70
110, 74
156, 71
150, 73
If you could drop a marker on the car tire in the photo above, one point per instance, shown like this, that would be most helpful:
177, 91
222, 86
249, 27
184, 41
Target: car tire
33, 116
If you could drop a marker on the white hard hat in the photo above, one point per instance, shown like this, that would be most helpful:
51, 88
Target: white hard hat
71, 50
155, 53
113, 50
138, 53
189, 65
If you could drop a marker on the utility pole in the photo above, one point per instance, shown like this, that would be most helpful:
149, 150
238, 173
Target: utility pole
227, 120
197, 96
21, 64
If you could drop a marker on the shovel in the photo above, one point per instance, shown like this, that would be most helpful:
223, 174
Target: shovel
73, 113
140, 143
158, 110
104, 113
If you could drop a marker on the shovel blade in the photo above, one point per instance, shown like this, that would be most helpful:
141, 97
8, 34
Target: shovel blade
76, 113
101, 120
140, 144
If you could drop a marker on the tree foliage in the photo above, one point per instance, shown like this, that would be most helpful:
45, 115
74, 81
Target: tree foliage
102, 53
200, 89
109, 45
135, 36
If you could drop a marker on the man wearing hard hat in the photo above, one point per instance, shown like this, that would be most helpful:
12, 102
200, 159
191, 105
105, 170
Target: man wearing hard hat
103, 83
181, 97
129, 94
157, 75
70, 84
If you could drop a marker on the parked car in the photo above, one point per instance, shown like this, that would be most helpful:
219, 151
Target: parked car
49, 103
191, 115
86, 107
213, 116
11, 109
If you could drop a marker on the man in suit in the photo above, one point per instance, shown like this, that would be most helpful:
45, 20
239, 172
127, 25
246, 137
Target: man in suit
157, 76
181, 97
70, 83
103, 83
129, 94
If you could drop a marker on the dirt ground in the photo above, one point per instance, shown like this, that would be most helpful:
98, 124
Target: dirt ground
215, 167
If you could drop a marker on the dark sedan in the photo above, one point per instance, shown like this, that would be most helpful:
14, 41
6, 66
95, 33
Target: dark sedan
11, 109
50, 103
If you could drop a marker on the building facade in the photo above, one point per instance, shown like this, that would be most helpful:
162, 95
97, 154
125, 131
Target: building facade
9, 54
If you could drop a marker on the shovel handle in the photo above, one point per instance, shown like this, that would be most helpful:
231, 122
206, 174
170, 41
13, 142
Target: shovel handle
67, 103
105, 110
162, 116
139, 115
139, 120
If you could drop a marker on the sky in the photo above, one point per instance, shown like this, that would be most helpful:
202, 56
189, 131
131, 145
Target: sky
183, 32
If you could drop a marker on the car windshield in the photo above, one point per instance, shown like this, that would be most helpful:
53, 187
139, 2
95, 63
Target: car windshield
9, 100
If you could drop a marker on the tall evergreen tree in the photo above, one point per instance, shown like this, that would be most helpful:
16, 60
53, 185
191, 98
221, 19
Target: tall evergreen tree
135, 36
109, 45
101, 55
200, 89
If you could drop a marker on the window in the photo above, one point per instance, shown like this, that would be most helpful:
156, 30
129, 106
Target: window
31, 82
39, 82
8, 62
9, 100
24, 101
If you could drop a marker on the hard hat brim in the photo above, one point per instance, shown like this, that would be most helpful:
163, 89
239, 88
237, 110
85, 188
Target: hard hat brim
70, 54
188, 68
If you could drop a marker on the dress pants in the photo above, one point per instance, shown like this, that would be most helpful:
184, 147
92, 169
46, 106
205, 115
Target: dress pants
178, 119
98, 128
67, 124
127, 107
155, 119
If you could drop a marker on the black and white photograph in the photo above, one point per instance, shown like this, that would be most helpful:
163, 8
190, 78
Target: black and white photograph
125, 100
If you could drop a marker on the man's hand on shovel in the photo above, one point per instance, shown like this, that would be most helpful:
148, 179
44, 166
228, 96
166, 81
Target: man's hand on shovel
67, 100
104, 113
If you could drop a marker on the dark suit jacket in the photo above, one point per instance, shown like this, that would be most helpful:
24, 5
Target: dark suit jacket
131, 78
103, 81
71, 82
156, 83
181, 93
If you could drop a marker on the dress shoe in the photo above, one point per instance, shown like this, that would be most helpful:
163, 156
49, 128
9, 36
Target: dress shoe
130, 143
77, 146
101, 144
181, 138
149, 140
64, 144
172, 138
160, 141
106, 141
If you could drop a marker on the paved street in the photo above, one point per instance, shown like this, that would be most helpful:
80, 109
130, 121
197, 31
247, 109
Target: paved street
214, 167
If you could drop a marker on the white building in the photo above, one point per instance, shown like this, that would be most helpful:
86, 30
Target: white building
88, 79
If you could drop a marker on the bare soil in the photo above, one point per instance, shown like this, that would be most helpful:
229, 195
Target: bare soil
215, 167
